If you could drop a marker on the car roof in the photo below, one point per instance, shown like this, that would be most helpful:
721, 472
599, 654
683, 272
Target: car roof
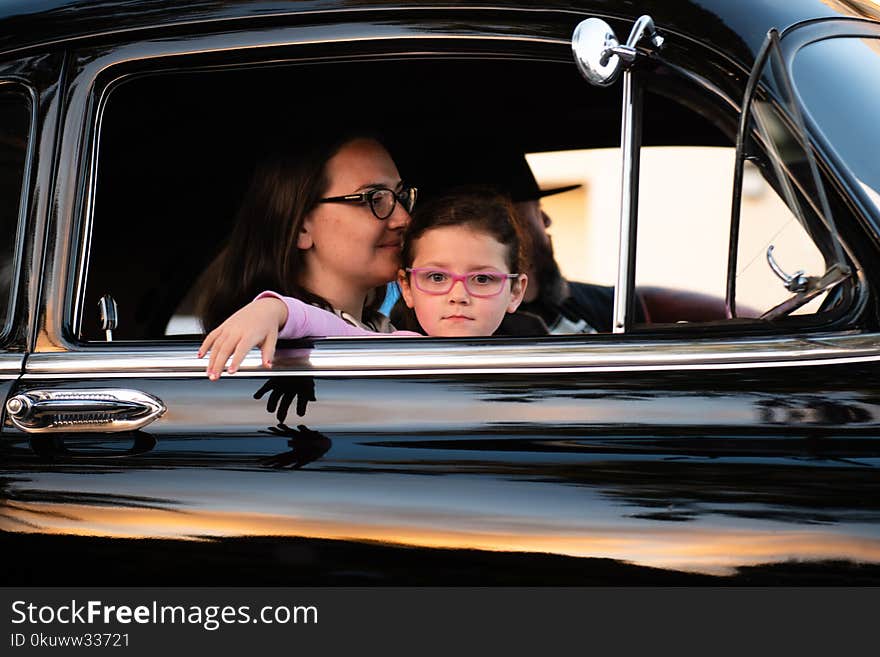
28, 24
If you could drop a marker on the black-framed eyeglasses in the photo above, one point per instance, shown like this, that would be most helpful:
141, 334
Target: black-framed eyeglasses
381, 200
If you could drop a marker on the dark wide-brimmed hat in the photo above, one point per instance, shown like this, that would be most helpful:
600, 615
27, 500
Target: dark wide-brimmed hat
503, 170
522, 185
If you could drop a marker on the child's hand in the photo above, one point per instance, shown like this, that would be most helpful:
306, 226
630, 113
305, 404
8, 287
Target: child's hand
254, 325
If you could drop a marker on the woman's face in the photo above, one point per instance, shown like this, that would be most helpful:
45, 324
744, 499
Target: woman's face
347, 249
459, 250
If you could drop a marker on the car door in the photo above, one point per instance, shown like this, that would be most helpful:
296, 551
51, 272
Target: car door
679, 455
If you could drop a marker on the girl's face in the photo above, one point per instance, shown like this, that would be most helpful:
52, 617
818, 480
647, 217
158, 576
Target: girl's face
459, 250
346, 247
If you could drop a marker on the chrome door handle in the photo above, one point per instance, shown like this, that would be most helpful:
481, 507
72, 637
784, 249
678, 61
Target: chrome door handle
106, 410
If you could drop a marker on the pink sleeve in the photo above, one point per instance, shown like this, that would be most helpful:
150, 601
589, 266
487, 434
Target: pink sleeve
304, 320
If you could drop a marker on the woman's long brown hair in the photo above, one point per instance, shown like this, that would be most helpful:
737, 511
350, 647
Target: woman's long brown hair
261, 252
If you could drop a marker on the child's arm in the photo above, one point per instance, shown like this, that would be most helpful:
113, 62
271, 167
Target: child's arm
257, 324
304, 320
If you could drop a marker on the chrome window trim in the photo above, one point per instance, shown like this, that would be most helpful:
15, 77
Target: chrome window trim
402, 357
11, 365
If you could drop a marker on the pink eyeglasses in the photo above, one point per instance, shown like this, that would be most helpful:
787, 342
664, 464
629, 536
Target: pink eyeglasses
433, 280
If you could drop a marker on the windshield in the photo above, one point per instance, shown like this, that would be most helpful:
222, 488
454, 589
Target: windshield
837, 80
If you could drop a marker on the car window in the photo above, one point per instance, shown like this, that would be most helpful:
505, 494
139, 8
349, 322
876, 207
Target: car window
177, 176
816, 275
785, 228
15, 113
827, 74
684, 226
765, 221
684, 190
683, 230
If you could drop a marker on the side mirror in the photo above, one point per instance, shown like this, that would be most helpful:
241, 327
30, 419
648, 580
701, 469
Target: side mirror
599, 55
592, 43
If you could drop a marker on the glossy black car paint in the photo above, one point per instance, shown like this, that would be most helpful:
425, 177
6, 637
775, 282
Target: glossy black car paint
714, 479
729, 474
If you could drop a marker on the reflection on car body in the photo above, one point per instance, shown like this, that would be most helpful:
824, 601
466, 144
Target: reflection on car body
728, 438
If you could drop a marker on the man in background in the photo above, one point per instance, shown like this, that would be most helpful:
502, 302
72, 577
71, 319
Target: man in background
563, 306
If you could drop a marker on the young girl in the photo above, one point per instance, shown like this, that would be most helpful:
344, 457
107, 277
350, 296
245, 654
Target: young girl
461, 264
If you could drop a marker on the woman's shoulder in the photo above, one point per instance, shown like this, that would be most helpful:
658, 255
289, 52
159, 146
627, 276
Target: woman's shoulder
378, 323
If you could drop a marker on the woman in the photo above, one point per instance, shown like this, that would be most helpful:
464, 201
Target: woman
324, 225
460, 273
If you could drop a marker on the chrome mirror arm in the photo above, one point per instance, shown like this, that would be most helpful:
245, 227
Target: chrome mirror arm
644, 27
600, 59
630, 146
626, 54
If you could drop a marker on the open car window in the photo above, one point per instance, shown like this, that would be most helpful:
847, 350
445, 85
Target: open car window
783, 256
168, 182
776, 142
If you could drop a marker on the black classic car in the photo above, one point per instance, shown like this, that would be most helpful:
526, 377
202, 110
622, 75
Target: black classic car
688, 445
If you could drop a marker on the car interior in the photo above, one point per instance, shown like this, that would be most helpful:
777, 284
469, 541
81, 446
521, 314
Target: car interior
176, 150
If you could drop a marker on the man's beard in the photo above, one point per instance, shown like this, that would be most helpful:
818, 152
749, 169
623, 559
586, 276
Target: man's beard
552, 287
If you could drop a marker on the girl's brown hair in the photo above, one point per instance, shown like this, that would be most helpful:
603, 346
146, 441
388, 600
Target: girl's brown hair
479, 208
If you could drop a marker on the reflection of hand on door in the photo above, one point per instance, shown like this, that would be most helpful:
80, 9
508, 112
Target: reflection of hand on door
283, 391
305, 445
